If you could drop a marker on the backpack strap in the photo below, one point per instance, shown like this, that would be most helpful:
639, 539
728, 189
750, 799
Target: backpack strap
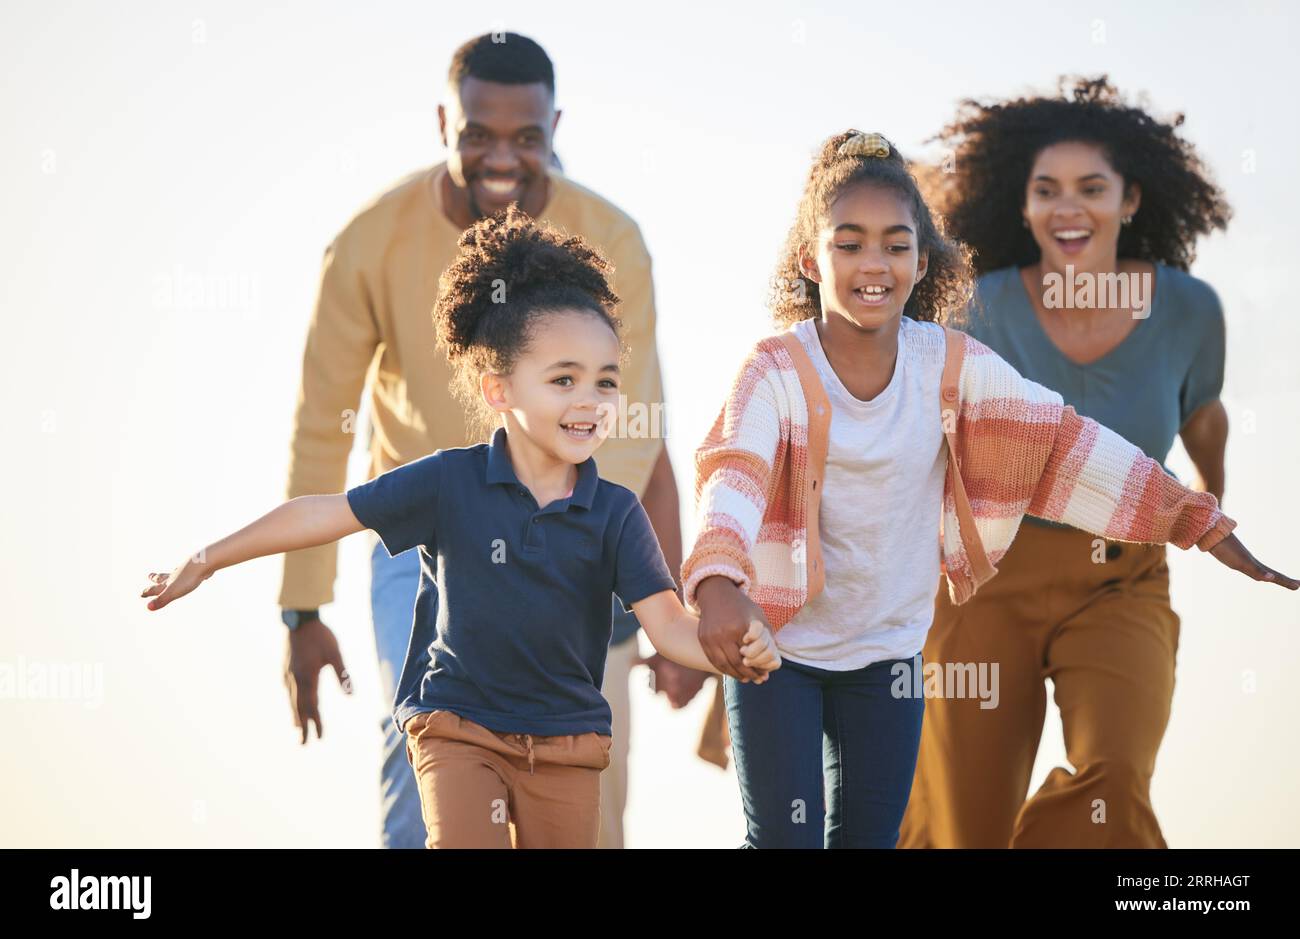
949, 411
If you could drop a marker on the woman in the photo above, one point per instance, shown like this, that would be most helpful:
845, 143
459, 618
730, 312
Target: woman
1082, 213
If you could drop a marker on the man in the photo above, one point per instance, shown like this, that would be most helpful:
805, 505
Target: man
372, 328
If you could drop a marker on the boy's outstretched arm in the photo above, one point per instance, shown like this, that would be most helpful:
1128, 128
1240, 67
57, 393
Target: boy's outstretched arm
674, 632
303, 522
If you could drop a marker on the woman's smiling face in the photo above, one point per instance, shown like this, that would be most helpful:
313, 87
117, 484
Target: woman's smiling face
867, 257
1075, 203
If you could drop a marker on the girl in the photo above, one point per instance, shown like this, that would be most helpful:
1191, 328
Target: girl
824, 480
1087, 190
521, 540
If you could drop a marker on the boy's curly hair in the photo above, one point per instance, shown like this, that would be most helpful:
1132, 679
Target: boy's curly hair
942, 294
992, 148
510, 274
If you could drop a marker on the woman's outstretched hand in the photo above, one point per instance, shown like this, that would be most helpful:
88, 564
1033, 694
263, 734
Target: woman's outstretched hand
1231, 552
167, 587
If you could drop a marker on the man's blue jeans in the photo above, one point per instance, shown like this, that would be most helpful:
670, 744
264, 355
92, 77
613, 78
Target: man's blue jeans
393, 586
809, 736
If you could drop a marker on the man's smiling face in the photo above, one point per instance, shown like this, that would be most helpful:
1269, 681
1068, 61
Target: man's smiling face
498, 140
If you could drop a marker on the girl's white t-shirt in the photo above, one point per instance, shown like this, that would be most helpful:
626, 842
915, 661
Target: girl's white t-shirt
880, 510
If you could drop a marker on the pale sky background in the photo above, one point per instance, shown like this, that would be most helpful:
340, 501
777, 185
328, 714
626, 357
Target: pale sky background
147, 142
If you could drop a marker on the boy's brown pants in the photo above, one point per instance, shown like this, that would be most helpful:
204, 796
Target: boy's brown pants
1106, 636
484, 789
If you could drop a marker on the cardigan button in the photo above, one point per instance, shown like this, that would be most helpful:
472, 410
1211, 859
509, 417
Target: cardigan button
950, 394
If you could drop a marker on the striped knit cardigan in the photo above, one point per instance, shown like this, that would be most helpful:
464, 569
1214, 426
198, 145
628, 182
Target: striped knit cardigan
1018, 449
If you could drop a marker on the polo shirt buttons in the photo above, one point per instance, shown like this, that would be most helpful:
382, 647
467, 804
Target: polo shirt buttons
950, 394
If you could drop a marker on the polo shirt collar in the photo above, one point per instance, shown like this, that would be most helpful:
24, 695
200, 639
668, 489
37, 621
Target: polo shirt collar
500, 470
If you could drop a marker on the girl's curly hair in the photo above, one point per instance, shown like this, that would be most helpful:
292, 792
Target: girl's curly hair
942, 294
991, 152
510, 274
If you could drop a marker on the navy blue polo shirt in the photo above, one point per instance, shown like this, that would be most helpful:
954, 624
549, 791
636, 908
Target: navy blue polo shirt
512, 617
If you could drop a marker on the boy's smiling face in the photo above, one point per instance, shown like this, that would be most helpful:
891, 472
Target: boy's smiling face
866, 259
563, 391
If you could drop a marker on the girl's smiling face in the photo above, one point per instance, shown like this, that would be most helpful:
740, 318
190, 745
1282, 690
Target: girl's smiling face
867, 257
563, 390
1075, 202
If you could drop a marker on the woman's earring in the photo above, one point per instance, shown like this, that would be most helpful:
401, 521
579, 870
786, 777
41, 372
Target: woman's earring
1127, 220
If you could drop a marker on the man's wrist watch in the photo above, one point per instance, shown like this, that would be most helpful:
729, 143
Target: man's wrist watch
295, 618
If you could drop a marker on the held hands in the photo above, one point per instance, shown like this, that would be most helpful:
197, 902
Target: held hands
168, 587
1233, 553
758, 649
726, 625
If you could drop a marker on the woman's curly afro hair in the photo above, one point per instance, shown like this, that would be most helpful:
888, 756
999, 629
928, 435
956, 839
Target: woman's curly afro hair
510, 274
940, 296
992, 148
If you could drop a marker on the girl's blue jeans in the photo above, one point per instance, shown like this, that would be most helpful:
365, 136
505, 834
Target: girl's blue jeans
825, 758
